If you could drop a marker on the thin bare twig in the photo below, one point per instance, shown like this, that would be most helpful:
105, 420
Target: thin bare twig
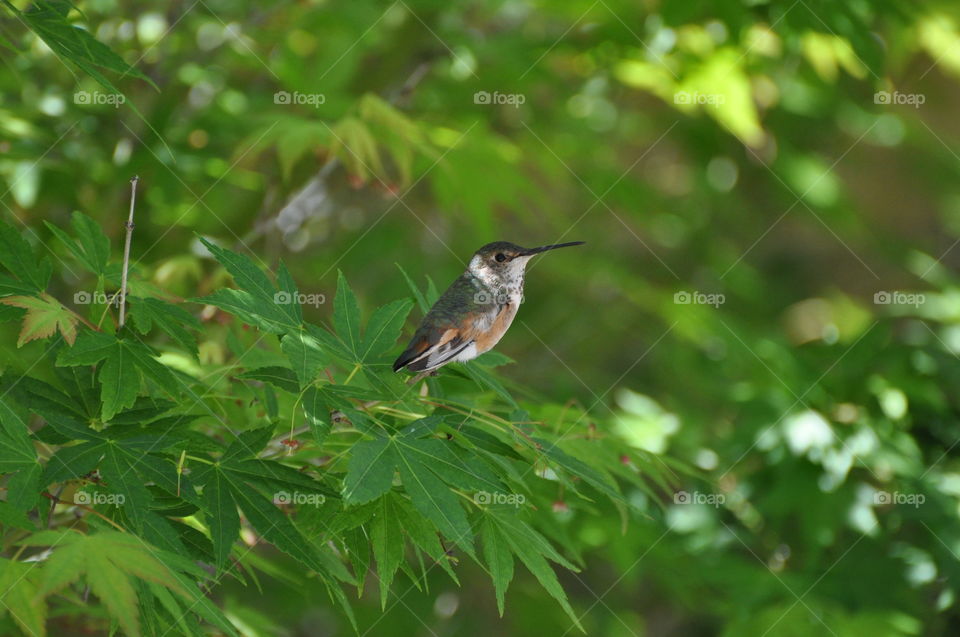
126, 251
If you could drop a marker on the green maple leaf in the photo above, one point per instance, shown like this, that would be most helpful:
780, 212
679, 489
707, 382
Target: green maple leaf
143, 411
19, 595
317, 411
10, 286
13, 517
18, 456
257, 301
499, 559
386, 538
123, 456
126, 458
241, 480
45, 317
505, 535
417, 294
582, 470
48, 19
423, 534
383, 329
112, 564
346, 317
228, 486
174, 320
17, 256
426, 466
125, 361
371, 470
224, 522
319, 401
91, 247
280, 377
380, 335
16, 448
393, 521
480, 375
306, 354
274, 309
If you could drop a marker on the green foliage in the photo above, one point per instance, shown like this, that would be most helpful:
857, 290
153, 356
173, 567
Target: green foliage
48, 19
112, 564
91, 247
45, 317
256, 302
732, 411
119, 430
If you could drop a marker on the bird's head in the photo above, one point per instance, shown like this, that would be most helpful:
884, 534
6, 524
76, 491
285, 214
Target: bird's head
504, 261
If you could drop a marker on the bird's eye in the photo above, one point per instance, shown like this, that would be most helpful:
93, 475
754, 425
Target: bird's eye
500, 257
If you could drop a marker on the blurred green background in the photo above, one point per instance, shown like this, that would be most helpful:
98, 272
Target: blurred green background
770, 192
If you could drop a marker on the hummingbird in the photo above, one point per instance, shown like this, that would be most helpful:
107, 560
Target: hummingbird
473, 314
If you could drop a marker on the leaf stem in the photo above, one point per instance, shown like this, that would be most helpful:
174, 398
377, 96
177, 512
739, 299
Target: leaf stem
488, 418
353, 372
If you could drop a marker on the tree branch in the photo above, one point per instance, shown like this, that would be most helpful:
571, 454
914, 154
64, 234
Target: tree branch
126, 252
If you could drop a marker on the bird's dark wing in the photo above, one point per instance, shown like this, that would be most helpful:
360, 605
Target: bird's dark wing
424, 355
445, 330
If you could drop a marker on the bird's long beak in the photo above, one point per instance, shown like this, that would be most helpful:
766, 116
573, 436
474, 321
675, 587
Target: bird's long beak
532, 251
